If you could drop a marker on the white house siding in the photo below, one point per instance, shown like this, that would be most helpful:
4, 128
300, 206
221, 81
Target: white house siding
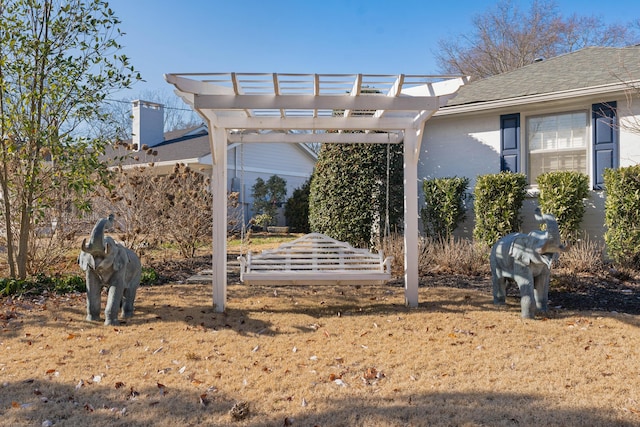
249, 161
469, 145
463, 148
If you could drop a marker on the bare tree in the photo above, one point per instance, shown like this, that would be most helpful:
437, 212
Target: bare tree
507, 37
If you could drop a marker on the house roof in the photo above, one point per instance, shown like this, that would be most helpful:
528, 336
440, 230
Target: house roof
586, 68
189, 145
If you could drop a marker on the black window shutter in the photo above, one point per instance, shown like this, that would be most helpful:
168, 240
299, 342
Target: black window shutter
510, 142
605, 140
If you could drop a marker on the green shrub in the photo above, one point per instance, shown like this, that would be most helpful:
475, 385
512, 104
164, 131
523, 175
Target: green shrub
64, 285
41, 283
562, 194
149, 277
622, 215
296, 210
267, 197
348, 195
444, 205
498, 200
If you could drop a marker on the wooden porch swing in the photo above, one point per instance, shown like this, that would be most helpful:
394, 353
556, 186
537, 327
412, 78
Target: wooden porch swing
315, 259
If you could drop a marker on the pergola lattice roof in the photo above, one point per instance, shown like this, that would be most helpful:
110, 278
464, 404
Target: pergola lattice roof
316, 102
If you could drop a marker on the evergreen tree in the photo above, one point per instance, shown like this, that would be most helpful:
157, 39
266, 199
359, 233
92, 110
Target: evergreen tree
348, 197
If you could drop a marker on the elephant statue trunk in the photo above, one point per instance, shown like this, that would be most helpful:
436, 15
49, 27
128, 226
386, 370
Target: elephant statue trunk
552, 234
526, 259
109, 264
96, 240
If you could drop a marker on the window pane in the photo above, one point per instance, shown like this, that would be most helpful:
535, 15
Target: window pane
557, 143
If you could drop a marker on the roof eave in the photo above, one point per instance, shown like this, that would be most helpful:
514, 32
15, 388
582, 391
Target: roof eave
618, 87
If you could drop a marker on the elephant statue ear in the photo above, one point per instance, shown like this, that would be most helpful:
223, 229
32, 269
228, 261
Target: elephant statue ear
525, 249
120, 258
86, 261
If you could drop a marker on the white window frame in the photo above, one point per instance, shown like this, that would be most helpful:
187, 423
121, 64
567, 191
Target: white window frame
527, 141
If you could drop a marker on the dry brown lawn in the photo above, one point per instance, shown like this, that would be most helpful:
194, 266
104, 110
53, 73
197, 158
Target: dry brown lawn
325, 356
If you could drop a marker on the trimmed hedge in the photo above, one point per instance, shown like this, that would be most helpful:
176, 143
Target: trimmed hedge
347, 200
296, 210
444, 205
622, 215
498, 200
562, 194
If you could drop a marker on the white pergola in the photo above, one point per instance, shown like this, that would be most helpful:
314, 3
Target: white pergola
314, 108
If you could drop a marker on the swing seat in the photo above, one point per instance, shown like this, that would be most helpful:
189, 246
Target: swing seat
315, 259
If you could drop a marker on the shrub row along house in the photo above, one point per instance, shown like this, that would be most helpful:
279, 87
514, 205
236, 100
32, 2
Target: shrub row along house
575, 112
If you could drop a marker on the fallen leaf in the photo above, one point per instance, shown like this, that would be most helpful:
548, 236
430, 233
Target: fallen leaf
133, 394
371, 373
203, 399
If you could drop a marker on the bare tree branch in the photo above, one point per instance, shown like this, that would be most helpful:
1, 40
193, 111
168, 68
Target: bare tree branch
507, 37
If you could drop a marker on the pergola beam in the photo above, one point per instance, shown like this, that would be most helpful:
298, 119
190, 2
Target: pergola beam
312, 102
386, 123
324, 138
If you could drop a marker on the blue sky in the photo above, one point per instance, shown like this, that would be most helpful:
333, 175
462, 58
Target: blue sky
304, 36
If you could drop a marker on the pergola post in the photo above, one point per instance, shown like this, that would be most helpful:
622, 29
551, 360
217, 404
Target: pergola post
218, 142
411, 155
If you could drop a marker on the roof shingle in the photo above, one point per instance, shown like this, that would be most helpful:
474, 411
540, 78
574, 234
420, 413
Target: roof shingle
585, 68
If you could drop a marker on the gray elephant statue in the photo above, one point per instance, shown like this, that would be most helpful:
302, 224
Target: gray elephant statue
526, 259
114, 266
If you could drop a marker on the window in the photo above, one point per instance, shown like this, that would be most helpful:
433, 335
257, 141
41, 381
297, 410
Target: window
562, 142
557, 143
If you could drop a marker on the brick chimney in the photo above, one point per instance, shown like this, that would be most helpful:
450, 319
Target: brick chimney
148, 123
